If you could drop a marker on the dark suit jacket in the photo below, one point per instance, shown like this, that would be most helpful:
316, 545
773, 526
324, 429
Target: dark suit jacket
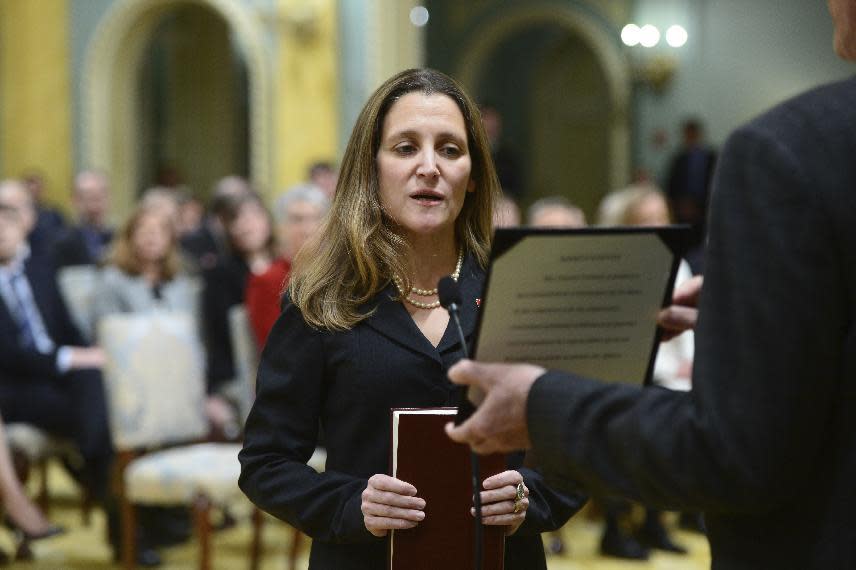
349, 381
49, 223
765, 443
678, 185
70, 248
18, 366
225, 285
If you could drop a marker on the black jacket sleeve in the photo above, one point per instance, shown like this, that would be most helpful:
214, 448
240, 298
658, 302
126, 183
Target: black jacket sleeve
25, 364
281, 435
549, 509
768, 357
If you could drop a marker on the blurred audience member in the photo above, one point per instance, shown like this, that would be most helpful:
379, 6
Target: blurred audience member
25, 518
48, 377
645, 205
249, 230
298, 214
325, 176
49, 220
86, 243
144, 274
144, 269
191, 213
209, 244
555, 211
15, 196
504, 159
164, 199
690, 174
507, 213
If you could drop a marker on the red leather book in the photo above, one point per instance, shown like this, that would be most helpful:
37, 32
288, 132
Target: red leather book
440, 469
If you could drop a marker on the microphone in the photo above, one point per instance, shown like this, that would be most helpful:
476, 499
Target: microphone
450, 299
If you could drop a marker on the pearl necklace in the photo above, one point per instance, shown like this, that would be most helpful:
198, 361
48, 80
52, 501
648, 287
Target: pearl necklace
427, 292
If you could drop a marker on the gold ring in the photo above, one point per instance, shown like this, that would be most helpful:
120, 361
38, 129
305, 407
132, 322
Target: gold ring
518, 497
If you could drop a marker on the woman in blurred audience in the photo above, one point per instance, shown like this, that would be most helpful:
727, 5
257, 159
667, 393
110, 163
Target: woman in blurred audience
23, 516
249, 230
144, 274
298, 214
143, 271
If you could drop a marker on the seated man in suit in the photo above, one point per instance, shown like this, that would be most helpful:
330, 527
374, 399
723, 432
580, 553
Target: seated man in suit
49, 220
48, 377
87, 242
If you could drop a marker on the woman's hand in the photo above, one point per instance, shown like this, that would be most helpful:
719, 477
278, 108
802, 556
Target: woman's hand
218, 411
502, 503
389, 503
682, 314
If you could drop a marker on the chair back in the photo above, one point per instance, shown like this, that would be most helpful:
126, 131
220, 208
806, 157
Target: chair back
77, 287
155, 378
246, 356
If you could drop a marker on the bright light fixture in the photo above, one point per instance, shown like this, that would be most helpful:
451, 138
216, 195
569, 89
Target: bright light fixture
676, 36
649, 36
630, 34
419, 16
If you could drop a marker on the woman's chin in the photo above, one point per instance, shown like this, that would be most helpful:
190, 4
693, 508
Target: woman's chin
429, 229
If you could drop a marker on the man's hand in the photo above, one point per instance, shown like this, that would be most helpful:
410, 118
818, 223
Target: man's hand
87, 357
681, 316
219, 412
499, 423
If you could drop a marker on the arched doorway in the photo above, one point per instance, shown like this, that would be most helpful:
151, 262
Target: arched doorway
192, 102
119, 117
563, 85
570, 125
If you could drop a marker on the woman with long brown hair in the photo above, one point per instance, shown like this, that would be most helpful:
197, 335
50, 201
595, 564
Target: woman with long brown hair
363, 332
143, 270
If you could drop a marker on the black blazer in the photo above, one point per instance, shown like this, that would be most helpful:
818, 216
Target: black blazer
347, 382
18, 366
765, 443
224, 287
679, 171
69, 248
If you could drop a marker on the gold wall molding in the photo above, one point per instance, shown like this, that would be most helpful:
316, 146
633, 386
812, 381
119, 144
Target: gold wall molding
307, 87
35, 93
394, 43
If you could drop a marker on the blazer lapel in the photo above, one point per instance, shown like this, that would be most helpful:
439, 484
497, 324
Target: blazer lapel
8, 328
39, 276
392, 320
471, 286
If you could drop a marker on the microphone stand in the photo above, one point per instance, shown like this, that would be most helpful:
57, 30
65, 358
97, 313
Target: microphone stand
449, 297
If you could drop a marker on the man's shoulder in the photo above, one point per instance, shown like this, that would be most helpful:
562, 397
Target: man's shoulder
825, 106
41, 273
68, 235
818, 123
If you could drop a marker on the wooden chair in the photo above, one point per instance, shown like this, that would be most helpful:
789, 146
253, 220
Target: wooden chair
77, 287
32, 448
245, 354
156, 389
